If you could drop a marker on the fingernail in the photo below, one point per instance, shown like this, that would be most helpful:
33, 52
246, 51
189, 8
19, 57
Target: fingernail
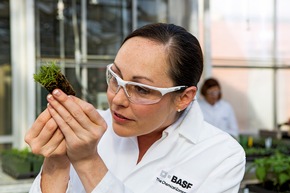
49, 97
56, 92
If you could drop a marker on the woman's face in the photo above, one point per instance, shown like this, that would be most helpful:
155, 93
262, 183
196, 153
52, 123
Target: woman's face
212, 95
143, 61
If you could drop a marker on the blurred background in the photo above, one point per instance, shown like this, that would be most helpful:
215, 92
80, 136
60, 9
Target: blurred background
246, 47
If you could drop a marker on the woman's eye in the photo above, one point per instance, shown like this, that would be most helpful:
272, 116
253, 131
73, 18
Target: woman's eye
142, 90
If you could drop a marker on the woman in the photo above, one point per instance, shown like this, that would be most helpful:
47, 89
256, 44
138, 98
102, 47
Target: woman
152, 139
217, 111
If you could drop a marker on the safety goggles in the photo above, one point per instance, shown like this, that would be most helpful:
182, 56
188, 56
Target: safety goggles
136, 92
215, 93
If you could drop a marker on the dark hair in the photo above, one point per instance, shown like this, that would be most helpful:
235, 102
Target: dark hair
208, 83
184, 52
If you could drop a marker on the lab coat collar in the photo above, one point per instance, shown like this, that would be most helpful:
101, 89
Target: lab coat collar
192, 122
189, 126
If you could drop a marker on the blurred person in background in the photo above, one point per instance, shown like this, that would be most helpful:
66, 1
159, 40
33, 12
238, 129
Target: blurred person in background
217, 111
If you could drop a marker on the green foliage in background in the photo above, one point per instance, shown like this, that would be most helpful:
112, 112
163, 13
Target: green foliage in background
275, 168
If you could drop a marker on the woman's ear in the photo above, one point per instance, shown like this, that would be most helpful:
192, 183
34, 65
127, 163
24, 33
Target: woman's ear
185, 98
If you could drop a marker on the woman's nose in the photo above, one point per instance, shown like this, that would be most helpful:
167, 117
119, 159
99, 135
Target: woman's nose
120, 97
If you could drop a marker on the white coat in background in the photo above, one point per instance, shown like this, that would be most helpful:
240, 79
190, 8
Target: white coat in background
221, 115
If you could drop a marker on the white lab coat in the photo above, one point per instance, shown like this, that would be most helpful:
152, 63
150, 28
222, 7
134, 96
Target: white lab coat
191, 157
221, 115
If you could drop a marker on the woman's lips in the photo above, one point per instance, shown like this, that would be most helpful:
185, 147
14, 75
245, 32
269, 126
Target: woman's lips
120, 118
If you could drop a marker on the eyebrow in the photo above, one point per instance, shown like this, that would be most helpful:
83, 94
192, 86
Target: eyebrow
134, 77
117, 67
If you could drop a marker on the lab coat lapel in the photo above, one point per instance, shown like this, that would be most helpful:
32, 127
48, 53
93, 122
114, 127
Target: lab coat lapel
170, 136
193, 132
161, 147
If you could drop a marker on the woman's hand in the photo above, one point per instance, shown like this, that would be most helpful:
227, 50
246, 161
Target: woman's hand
45, 138
68, 131
82, 127
80, 123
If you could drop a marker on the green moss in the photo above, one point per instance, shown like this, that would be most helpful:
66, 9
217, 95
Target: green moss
47, 74
50, 77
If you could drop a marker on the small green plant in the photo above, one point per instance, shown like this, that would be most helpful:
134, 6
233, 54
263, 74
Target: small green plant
274, 171
258, 151
20, 163
50, 77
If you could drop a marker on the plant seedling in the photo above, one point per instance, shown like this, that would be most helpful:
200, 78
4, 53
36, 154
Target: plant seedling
50, 77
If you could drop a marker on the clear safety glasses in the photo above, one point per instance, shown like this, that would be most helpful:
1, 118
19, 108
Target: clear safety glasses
136, 92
